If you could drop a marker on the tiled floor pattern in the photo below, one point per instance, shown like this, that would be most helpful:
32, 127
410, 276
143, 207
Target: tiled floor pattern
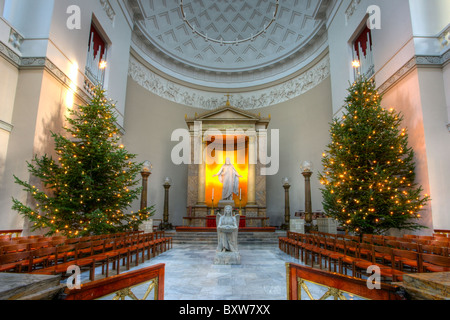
191, 275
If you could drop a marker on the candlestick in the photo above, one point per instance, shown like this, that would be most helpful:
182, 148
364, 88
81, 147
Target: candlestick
212, 201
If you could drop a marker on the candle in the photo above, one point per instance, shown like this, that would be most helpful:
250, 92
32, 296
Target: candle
240, 194
213, 194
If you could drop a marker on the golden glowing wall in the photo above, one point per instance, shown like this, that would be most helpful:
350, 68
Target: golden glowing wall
214, 161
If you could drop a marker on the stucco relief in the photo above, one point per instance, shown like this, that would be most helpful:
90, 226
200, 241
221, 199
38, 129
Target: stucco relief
210, 100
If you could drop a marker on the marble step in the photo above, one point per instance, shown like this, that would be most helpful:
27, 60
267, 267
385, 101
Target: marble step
211, 237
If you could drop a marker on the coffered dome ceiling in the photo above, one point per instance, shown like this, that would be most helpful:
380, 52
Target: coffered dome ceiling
229, 44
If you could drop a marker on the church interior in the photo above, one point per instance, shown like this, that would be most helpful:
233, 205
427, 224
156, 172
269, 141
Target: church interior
220, 174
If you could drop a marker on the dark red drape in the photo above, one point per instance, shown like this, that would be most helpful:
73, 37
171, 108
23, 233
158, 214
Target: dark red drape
97, 43
361, 40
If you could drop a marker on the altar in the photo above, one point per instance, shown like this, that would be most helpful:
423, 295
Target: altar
211, 222
226, 140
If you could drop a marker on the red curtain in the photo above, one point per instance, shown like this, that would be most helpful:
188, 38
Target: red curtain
361, 41
97, 41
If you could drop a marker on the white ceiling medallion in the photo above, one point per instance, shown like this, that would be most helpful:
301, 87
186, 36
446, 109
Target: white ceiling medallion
236, 41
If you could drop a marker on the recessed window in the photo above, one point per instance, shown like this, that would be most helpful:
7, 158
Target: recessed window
97, 57
362, 53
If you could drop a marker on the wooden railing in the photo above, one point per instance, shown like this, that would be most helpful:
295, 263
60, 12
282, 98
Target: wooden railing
11, 233
122, 286
339, 287
443, 232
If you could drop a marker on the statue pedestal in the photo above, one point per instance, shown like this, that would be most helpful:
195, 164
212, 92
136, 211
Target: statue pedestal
227, 258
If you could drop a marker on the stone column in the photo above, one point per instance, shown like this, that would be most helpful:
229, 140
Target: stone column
202, 176
446, 74
252, 160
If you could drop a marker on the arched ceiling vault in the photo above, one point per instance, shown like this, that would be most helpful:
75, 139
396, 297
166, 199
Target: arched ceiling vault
226, 45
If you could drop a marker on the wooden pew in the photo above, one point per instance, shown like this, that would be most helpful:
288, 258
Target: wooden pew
86, 252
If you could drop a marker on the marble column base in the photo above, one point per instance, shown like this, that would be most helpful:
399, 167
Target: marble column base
227, 258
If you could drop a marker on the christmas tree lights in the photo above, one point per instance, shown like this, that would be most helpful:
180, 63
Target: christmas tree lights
87, 190
369, 172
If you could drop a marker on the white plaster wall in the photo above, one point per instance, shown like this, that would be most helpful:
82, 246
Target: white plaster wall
43, 23
303, 124
39, 109
437, 139
405, 97
393, 45
2, 4
68, 48
446, 77
20, 147
149, 123
8, 83
30, 17
429, 17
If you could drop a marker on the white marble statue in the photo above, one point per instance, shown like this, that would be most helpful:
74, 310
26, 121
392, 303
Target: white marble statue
227, 230
229, 177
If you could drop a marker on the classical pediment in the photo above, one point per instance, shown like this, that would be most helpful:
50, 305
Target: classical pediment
227, 113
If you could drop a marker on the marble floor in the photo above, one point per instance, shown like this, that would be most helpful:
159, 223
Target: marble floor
191, 275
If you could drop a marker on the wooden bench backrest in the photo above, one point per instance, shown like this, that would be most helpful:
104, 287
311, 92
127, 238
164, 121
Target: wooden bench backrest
44, 252
66, 248
16, 257
15, 247
409, 246
436, 260
431, 249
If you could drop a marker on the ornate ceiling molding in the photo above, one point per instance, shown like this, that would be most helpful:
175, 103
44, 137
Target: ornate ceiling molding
162, 37
211, 100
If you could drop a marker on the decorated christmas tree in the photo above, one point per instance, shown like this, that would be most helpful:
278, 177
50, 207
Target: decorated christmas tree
369, 170
88, 188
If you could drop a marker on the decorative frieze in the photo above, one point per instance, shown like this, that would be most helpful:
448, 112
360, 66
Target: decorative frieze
397, 76
108, 9
212, 100
437, 61
9, 54
433, 60
351, 9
